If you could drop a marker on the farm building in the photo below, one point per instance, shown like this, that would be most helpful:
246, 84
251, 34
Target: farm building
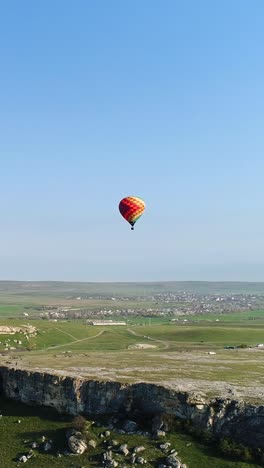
105, 322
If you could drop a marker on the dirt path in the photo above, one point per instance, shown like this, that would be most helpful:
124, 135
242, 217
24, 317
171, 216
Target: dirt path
65, 333
164, 343
73, 342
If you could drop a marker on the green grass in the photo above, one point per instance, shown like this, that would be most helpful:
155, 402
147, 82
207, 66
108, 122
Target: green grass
190, 334
36, 422
180, 353
12, 310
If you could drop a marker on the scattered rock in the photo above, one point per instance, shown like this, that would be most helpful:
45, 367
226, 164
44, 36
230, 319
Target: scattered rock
141, 461
92, 443
173, 451
107, 456
159, 433
107, 434
23, 459
139, 449
173, 461
123, 449
165, 446
114, 443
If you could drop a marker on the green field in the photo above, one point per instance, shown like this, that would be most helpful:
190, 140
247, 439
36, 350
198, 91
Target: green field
150, 349
174, 354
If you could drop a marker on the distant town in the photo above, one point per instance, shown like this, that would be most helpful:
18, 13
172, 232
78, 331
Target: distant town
170, 305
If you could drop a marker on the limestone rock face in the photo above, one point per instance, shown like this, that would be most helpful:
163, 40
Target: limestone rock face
235, 419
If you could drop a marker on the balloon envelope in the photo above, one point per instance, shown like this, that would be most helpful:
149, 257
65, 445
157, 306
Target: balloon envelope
131, 208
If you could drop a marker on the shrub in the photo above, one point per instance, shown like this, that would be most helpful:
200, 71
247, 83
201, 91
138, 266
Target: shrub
79, 423
234, 450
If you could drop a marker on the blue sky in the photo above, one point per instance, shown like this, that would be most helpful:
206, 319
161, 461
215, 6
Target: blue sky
163, 100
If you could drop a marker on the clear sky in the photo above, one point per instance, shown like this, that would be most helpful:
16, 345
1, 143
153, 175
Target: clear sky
159, 99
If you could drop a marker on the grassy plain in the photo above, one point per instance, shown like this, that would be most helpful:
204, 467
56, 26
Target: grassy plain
175, 354
178, 357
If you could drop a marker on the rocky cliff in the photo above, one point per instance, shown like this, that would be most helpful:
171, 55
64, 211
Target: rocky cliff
222, 417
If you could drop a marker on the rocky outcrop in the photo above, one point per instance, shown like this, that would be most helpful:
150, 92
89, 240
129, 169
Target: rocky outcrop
222, 417
4, 330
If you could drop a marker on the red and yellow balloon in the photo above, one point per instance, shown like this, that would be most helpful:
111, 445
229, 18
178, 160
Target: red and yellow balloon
131, 208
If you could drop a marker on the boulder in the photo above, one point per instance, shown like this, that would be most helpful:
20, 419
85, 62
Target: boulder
165, 446
76, 442
138, 449
92, 443
112, 464
107, 456
123, 449
173, 461
114, 443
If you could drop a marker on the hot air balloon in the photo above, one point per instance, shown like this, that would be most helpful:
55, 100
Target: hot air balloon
131, 208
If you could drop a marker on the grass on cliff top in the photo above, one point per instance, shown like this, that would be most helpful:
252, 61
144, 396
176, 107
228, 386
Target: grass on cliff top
36, 422
180, 352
